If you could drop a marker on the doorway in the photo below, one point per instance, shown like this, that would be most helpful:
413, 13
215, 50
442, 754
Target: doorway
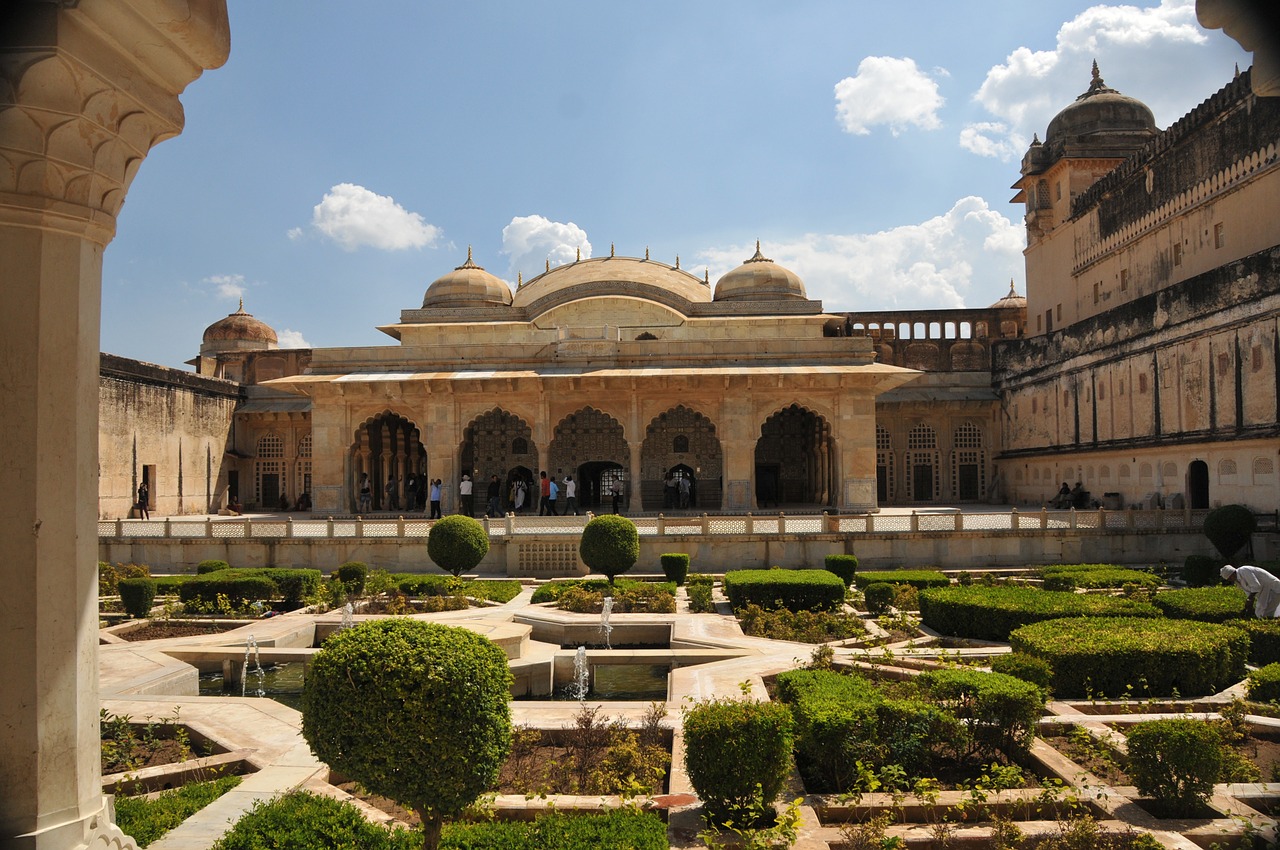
1198, 484
595, 480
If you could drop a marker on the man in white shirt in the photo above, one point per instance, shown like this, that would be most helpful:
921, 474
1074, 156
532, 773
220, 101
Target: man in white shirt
1255, 580
570, 496
464, 496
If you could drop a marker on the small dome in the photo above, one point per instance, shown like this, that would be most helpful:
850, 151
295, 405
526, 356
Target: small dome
1101, 111
1013, 299
759, 279
468, 285
238, 331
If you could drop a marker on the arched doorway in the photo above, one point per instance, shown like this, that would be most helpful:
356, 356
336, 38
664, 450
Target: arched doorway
922, 463
795, 459
387, 447
1198, 484
682, 438
595, 483
525, 475
497, 443
586, 444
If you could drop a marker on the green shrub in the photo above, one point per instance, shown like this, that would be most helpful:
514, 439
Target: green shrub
1209, 604
795, 590
494, 590
447, 690
843, 720
552, 590
1264, 639
147, 819
1264, 684
428, 585
109, 576
1201, 571
352, 574
303, 819
609, 545
845, 566
137, 595
167, 585
1108, 656
737, 753
991, 613
919, 579
1098, 576
247, 585
1175, 762
675, 566
800, 626
211, 566
457, 544
1059, 582
1028, 668
878, 596
294, 585
1229, 528
618, 828
700, 578
999, 711
701, 600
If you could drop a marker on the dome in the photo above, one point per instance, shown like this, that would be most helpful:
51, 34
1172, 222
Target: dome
759, 279
468, 285
1101, 112
239, 330
1013, 299
612, 276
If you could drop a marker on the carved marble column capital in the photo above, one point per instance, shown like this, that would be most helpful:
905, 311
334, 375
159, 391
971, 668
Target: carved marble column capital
85, 92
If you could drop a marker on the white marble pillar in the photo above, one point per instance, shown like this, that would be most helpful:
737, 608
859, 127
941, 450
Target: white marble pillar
85, 91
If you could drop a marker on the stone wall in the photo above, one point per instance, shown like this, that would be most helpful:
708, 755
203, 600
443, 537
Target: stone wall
174, 427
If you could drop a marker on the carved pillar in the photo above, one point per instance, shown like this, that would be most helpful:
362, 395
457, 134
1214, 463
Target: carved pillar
636, 502
85, 91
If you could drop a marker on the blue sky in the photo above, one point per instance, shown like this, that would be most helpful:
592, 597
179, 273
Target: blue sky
347, 154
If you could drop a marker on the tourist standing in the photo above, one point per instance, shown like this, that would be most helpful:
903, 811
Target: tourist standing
686, 487
435, 499
553, 493
411, 493
522, 493
464, 496
495, 497
393, 502
669, 491
570, 496
544, 494
144, 500
366, 493
616, 487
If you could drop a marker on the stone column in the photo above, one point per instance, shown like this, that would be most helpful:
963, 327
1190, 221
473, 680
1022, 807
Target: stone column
85, 91
636, 502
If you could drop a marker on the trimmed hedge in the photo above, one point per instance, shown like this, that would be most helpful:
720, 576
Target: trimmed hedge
211, 566
795, 590
844, 719
621, 828
1098, 576
919, 579
737, 753
1264, 684
252, 584
352, 574
1113, 656
146, 820
1208, 604
551, 591
991, 613
999, 711
845, 566
137, 595
675, 566
169, 584
1264, 639
1028, 668
1201, 571
878, 596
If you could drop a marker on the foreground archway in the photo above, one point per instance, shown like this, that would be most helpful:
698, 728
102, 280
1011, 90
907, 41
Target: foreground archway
388, 448
498, 443
683, 443
589, 445
795, 460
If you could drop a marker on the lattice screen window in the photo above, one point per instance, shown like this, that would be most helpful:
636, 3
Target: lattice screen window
883, 440
968, 436
262, 469
270, 446
304, 446
922, 437
1263, 469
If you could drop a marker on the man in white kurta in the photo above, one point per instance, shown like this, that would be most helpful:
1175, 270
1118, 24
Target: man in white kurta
1255, 580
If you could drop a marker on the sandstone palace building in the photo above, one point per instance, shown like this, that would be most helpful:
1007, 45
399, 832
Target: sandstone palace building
1141, 363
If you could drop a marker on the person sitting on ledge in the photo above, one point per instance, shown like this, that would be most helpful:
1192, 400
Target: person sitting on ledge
1063, 499
234, 506
303, 503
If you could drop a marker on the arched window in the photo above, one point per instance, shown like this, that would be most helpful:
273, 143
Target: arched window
680, 445
922, 463
270, 446
885, 489
519, 446
969, 463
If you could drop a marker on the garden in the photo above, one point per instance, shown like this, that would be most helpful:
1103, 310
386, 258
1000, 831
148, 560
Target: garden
1074, 705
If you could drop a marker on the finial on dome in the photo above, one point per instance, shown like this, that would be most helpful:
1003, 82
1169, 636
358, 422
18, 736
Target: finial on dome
1096, 84
758, 257
1035, 139
469, 264
1237, 71
468, 253
677, 261
519, 279
611, 250
548, 264
579, 259
241, 310
1097, 78
706, 276
1012, 292
646, 252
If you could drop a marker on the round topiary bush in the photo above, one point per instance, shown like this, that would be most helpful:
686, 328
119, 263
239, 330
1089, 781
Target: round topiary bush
211, 566
1229, 528
457, 543
1175, 762
879, 596
137, 594
417, 712
675, 566
845, 566
737, 753
610, 545
352, 574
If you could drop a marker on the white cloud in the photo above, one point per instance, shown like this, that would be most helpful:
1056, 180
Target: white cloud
964, 257
294, 233
1139, 50
992, 138
355, 217
887, 91
292, 339
531, 240
227, 285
